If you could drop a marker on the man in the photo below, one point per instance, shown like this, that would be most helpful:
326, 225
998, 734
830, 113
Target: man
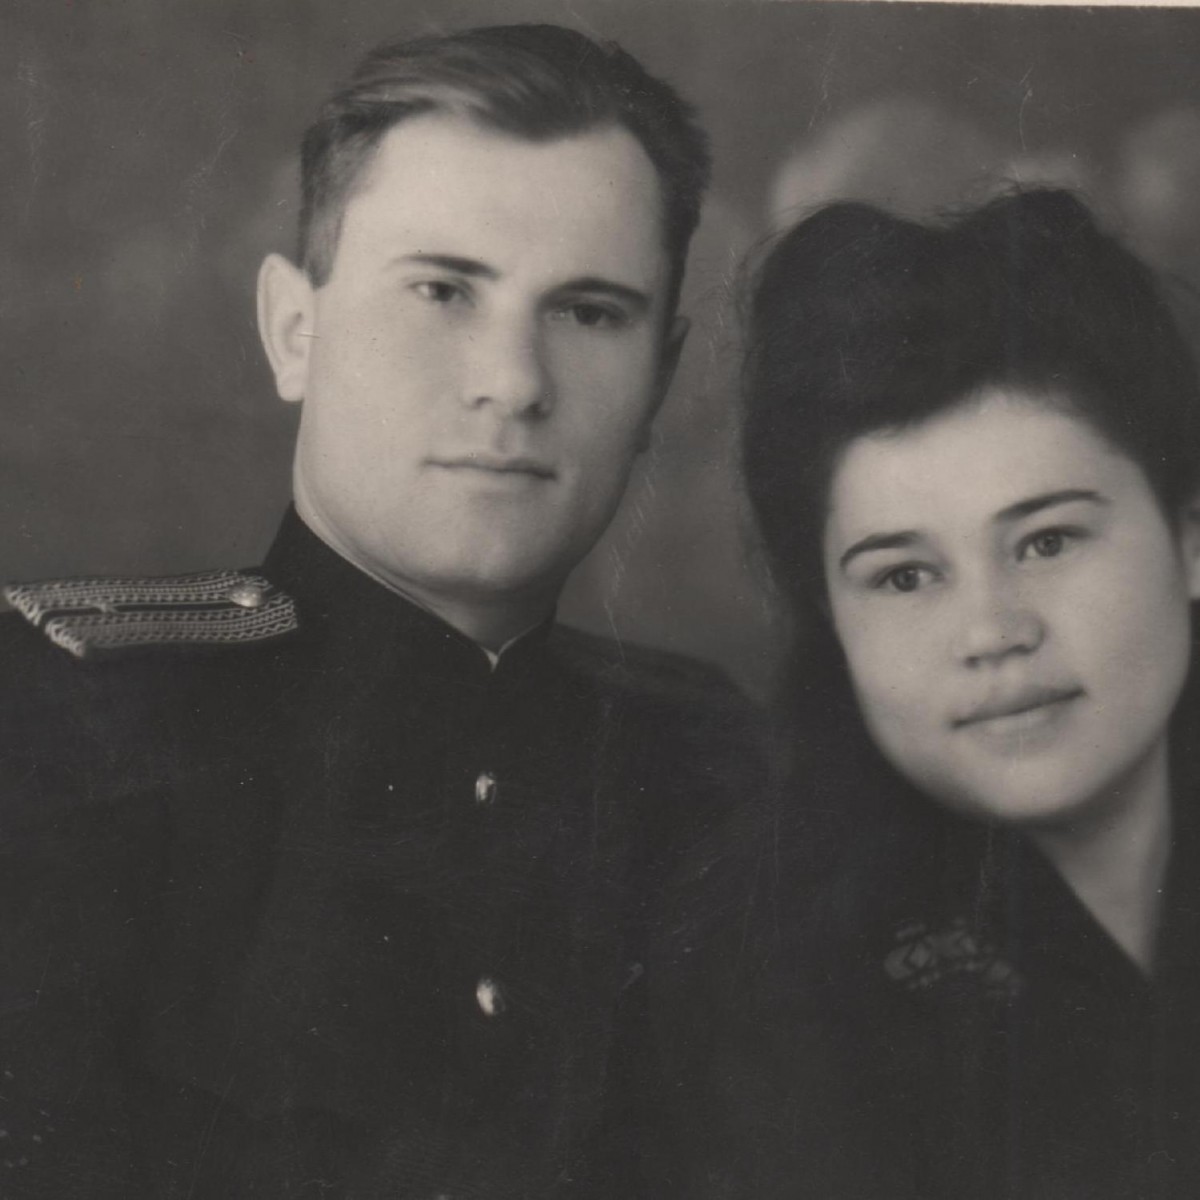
330, 878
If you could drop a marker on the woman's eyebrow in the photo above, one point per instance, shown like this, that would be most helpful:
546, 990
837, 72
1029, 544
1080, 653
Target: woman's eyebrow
1025, 508
880, 541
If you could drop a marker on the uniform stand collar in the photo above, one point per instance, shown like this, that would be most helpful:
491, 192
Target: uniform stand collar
374, 629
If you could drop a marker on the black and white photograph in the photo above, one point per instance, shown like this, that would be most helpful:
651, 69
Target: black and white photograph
599, 600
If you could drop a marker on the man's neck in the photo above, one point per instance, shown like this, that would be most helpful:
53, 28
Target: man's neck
492, 623
1116, 862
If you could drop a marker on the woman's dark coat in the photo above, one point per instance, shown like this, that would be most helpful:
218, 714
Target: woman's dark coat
890, 1003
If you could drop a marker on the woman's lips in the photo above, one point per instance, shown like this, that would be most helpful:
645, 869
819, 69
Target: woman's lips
1027, 708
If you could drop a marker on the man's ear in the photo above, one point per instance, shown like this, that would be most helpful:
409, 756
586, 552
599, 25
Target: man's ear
285, 323
673, 341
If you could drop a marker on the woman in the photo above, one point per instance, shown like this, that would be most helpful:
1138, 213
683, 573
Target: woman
974, 455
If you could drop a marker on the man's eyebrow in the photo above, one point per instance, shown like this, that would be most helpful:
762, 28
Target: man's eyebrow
595, 284
880, 541
452, 262
1025, 508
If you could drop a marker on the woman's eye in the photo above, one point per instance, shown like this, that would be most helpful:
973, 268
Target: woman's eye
904, 579
1048, 543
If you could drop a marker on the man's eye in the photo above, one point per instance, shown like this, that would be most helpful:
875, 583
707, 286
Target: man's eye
438, 291
908, 578
591, 316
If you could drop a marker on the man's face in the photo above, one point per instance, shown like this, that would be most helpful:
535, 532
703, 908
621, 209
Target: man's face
480, 369
1014, 608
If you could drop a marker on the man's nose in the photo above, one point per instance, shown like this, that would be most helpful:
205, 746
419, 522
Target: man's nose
507, 370
996, 621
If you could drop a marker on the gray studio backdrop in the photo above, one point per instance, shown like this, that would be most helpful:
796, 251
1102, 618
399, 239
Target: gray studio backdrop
147, 164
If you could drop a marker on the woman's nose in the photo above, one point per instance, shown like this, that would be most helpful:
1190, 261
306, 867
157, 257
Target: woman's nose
997, 621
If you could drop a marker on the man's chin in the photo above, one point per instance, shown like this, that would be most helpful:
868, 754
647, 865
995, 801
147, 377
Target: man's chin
490, 578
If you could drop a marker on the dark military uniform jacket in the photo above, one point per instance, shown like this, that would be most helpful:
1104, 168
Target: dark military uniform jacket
301, 897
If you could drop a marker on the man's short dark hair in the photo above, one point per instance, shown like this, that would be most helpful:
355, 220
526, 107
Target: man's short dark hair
862, 322
538, 82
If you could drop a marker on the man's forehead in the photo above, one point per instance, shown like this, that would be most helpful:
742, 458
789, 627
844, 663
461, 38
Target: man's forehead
594, 196
439, 132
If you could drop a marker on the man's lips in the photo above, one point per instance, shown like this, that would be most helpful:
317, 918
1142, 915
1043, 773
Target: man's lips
495, 464
1016, 703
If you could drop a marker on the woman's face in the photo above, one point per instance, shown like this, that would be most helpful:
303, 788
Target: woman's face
1013, 605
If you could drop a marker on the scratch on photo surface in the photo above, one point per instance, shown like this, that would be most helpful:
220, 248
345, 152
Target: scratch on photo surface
828, 65
646, 492
206, 1140
35, 93
616, 562
1026, 96
244, 55
42, 979
581, 22
195, 205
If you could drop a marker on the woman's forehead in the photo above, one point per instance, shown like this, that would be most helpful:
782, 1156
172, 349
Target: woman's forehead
973, 461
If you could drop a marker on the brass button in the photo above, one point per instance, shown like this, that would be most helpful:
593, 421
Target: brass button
489, 997
486, 787
247, 595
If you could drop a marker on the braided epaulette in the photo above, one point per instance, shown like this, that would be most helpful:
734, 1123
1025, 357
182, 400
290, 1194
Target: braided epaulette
99, 616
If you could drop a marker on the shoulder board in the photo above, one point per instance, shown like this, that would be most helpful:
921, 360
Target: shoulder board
97, 617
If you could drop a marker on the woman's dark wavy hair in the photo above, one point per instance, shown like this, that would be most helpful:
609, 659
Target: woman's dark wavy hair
860, 321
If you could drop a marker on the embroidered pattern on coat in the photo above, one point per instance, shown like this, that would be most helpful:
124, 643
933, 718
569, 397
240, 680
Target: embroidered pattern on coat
923, 957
